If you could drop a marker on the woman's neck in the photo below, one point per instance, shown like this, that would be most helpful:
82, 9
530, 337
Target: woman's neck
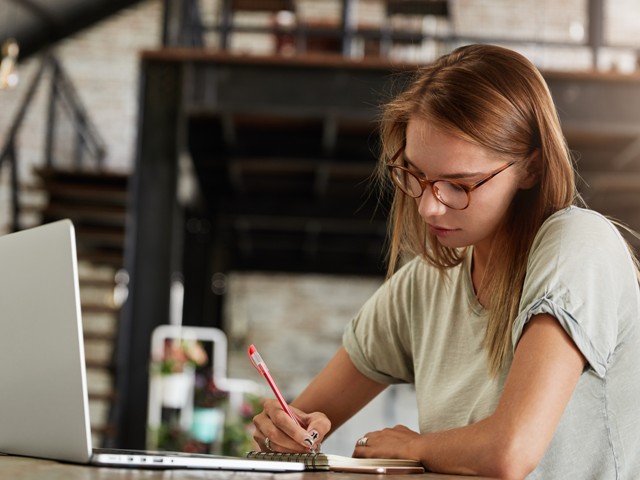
478, 273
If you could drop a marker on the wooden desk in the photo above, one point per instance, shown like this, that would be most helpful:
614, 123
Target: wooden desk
22, 468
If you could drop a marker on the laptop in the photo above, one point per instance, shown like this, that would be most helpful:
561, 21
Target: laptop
44, 409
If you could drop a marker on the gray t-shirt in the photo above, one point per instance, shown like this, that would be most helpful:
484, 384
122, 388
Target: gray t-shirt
420, 328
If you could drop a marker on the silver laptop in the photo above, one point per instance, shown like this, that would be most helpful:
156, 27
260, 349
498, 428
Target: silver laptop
44, 408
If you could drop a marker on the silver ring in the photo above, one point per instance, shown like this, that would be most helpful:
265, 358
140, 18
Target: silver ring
267, 443
362, 442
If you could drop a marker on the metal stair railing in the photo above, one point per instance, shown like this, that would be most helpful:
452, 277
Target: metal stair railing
8, 152
62, 94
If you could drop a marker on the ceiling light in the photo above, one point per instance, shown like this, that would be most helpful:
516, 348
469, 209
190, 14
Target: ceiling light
9, 64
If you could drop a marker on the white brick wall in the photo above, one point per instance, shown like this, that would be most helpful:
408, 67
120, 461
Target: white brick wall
103, 64
622, 22
273, 310
543, 20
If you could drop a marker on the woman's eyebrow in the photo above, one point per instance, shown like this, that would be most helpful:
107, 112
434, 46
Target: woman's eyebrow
451, 176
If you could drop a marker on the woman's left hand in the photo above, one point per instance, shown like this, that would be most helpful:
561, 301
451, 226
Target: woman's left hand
387, 443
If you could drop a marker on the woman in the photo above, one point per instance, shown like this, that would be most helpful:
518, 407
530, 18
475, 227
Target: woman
515, 312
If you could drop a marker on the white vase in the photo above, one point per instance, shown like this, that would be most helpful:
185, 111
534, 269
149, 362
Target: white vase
177, 388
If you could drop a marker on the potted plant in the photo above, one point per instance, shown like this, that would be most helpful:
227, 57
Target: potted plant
209, 408
177, 369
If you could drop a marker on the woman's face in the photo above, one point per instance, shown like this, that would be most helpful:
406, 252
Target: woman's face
437, 155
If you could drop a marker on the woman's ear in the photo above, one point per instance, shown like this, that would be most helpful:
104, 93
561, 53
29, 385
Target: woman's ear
531, 176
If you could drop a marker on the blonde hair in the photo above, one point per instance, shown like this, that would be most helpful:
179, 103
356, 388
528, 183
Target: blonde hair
495, 98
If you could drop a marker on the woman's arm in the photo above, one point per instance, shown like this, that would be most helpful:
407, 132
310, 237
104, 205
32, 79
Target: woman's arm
509, 443
338, 392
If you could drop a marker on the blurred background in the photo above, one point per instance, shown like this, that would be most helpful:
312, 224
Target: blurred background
214, 156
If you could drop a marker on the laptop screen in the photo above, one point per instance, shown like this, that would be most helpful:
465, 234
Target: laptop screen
43, 400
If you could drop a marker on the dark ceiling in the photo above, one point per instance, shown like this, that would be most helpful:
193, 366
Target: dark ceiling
37, 24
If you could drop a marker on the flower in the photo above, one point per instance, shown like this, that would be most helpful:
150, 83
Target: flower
207, 394
180, 353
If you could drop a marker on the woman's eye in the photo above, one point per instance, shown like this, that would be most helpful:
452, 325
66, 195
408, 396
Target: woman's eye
418, 174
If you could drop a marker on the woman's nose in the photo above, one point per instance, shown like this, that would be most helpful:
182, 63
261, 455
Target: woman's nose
429, 205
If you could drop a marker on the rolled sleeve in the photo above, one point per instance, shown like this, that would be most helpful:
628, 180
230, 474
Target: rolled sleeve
577, 271
595, 356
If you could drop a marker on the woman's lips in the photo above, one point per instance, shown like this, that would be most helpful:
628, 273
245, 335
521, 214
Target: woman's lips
441, 231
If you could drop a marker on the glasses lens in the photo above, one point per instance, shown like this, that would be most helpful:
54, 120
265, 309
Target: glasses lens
407, 182
450, 194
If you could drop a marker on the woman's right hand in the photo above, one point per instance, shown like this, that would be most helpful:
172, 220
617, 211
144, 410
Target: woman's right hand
277, 432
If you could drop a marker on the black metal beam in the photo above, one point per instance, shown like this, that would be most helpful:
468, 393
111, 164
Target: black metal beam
595, 35
49, 21
150, 244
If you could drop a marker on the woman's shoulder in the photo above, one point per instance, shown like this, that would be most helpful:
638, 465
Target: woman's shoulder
578, 215
580, 224
412, 269
578, 236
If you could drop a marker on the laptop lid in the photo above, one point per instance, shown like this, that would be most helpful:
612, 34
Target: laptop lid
43, 393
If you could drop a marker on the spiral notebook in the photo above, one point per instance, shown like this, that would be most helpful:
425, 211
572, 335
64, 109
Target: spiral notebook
338, 463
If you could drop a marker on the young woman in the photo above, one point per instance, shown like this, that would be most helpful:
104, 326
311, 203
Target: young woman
515, 312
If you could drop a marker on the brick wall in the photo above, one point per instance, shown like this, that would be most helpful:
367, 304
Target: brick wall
274, 310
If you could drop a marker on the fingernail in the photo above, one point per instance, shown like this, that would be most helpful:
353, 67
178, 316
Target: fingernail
311, 440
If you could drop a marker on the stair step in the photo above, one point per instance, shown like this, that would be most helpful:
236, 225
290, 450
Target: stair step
107, 236
97, 363
78, 187
91, 307
99, 381
101, 396
114, 259
98, 337
75, 193
83, 177
99, 323
80, 213
87, 270
96, 282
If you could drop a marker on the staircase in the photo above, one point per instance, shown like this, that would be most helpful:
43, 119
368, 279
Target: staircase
96, 203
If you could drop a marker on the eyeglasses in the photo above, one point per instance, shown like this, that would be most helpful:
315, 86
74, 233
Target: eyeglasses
450, 193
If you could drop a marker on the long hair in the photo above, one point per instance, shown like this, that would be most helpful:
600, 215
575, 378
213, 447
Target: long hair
495, 98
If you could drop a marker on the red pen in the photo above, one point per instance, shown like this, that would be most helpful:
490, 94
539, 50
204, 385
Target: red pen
256, 361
